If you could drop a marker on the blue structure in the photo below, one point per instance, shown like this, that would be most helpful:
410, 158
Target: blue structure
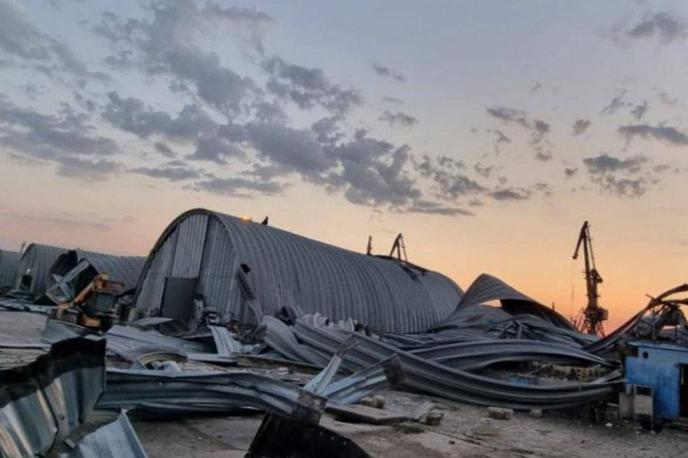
664, 367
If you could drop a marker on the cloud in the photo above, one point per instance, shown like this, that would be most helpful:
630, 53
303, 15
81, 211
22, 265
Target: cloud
20, 38
308, 87
484, 171
386, 72
604, 163
133, 116
296, 149
616, 103
62, 220
41, 136
373, 172
580, 126
543, 155
508, 194
448, 177
167, 44
631, 177
433, 208
393, 100
243, 125
165, 150
238, 187
665, 27
667, 100
500, 138
174, 171
639, 110
90, 170
667, 134
398, 119
570, 172
537, 127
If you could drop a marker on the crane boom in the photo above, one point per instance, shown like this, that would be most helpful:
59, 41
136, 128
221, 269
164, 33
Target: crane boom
593, 314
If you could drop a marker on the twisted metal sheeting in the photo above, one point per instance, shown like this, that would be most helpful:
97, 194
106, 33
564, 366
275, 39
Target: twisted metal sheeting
41, 403
456, 384
170, 393
475, 355
114, 440
123, 269
129, 343
162, 393
487, 288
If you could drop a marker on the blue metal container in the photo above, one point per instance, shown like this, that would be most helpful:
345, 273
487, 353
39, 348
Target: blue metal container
664, 367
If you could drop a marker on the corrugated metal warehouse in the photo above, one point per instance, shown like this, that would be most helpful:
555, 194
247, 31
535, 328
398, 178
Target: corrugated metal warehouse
123, 269
241, 270
9, 260
34, 268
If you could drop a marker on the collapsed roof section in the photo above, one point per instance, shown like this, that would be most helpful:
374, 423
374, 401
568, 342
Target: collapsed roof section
122, 269
241, 270
33, 271
487, 288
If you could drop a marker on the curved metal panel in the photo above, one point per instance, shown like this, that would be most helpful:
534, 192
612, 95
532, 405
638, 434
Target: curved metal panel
487, 288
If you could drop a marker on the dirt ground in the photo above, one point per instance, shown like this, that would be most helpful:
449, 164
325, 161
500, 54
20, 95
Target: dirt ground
465, 430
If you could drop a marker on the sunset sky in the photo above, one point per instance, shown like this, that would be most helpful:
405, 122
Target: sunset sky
486, 132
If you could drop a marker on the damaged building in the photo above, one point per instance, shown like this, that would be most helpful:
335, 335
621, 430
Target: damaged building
9, 260
83, 266
33, 271
241, 270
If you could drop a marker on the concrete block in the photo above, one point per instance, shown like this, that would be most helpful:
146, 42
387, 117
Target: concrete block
500, 413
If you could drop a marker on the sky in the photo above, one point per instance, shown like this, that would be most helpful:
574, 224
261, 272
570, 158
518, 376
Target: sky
486, 132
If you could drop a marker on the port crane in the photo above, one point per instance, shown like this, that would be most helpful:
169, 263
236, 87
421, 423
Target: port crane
590, 318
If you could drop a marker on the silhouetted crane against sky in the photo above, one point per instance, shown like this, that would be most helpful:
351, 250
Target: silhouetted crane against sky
591, 317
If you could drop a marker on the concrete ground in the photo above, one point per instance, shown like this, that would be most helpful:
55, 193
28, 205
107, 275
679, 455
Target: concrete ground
464, 431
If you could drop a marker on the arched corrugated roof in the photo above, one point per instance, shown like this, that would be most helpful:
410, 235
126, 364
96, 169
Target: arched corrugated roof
124, 269
290, 270
37, 259
9, 260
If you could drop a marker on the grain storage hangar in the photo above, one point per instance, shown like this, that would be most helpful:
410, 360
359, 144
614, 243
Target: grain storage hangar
33, 272
9, 260
240, 270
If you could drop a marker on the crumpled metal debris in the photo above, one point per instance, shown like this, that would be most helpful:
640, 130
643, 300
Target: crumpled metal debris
42, 402
114, 440
427, 376
174, 392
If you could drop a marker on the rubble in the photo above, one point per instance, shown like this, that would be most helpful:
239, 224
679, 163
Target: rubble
500, 413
